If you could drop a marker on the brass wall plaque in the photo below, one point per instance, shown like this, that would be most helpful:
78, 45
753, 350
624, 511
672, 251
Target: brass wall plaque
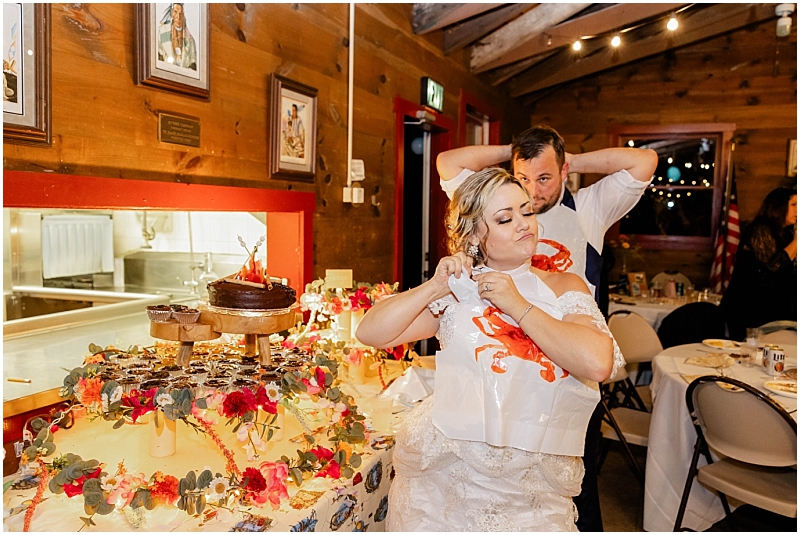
178, 130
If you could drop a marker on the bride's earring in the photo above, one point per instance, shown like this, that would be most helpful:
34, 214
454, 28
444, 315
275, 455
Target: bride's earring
473, 250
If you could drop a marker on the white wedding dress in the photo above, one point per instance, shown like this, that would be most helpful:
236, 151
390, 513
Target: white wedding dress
442, 484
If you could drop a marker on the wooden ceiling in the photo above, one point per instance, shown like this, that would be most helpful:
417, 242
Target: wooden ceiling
526, 49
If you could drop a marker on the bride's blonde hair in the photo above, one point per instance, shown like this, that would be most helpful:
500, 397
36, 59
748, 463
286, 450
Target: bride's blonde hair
465, 210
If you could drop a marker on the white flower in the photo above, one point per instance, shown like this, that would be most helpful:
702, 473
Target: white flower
273, 392
104, 401
110, 483
241, 433
116, 395
251, 452
163, 400
218, 488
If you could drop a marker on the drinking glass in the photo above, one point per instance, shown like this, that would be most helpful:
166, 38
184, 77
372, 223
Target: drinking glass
751, 346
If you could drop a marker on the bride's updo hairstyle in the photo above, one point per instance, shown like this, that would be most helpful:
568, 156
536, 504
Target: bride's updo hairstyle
468, 205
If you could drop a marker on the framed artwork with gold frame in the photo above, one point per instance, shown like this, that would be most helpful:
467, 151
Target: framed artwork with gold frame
293, 130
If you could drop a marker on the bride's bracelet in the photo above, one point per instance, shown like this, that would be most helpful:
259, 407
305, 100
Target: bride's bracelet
519, 321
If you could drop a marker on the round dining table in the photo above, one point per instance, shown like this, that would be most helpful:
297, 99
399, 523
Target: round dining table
672, 436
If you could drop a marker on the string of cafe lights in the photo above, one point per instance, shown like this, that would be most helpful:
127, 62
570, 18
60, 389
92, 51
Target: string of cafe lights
672, 24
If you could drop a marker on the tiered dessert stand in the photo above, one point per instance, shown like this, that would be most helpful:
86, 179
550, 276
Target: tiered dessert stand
255, 325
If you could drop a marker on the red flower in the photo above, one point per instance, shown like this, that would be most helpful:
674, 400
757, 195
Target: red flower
76, 488
360, 300
336, 305
165, 488
319, 375
142, 403
237, 404
358, 479
331, 470
398, 352
324, 454
253, 480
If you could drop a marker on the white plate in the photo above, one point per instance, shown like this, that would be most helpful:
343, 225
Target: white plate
782, 388
721, 344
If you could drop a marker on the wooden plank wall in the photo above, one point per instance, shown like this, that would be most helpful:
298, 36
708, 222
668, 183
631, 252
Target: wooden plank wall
748, 77
105, 125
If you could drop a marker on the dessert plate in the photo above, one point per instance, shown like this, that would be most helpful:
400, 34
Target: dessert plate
720, 344
782, 388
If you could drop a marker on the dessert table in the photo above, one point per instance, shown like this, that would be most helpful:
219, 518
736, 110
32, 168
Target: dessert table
672, 437
320, 504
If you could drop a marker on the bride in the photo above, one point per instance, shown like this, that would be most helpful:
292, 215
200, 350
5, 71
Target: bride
498, 446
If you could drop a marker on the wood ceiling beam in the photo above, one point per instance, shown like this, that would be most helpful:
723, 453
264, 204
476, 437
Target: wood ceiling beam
509, 71
614, 17
426, 18
461, 35
534, 22
695, 26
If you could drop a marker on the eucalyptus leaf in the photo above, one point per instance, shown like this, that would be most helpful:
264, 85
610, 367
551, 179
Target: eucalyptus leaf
149, 504
119, 423
171, 412
49, 447
92, 485
201, 403
93, 498
181, 504
31, 452
89, 510
347, 472
201, 503
136, 502
297, 476
190, 503
191, 478
355, 460
105, 508
54, 486
186, 407
204, 479
183, 487
38, 424
309, 439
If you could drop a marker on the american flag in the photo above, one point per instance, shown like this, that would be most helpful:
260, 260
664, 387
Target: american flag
727, 243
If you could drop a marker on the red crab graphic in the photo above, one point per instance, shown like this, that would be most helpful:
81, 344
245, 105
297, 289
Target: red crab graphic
557, 263
513, 342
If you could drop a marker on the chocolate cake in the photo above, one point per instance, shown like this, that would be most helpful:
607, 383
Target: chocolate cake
226, 294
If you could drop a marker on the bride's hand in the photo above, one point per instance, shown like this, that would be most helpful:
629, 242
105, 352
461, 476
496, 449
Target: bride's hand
451, 265
499, 289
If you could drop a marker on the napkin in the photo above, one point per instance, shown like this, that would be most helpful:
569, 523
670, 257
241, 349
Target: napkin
414, 385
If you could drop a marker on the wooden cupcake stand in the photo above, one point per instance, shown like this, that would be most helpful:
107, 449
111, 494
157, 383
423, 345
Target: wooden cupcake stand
256, 326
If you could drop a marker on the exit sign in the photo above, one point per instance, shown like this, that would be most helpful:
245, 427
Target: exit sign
432, 94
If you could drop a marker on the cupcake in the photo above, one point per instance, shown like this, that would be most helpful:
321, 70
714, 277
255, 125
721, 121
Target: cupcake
248, 363
159, 313
178, 308
251, 374
216, 384
189, 315
241, 383
271, 377
153, 383
197, 373
128, 383
172, 369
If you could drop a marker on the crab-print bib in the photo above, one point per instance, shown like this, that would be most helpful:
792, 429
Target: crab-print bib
495, 385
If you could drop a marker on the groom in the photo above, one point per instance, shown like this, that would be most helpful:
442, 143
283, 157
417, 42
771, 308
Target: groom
573, 227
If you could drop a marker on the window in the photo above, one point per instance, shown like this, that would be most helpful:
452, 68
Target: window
681, 207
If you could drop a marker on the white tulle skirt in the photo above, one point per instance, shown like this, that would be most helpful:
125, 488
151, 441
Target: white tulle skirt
455, 485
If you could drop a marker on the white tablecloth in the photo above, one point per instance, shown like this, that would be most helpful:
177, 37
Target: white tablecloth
672, 438
653, 313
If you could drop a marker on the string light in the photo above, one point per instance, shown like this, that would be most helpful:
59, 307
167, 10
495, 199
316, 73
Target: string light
616, 41
630, 143
672, 24
669, 160
576, 45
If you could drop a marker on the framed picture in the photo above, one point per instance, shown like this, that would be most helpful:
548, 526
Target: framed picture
637, 282
26, 72
293, 130
172, 47
791, 159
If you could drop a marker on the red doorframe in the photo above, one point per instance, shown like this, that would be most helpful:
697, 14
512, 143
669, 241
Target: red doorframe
403, 107
292, 211
494, 114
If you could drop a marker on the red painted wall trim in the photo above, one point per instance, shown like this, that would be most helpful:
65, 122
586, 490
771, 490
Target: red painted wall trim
22, 189
467, 98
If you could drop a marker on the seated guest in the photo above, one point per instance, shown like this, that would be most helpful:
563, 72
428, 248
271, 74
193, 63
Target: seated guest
763, 286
